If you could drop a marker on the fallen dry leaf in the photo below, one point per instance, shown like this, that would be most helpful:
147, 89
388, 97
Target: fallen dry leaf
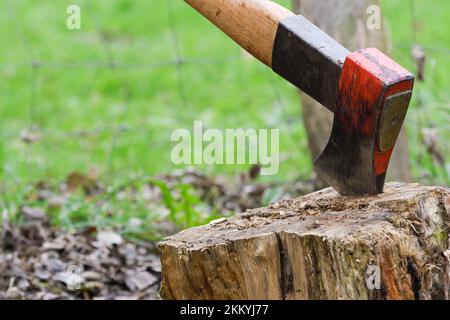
77, 180
109, 238
139, 280
34, 213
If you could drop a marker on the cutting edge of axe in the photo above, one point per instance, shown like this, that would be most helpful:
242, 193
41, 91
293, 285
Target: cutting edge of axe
368, 92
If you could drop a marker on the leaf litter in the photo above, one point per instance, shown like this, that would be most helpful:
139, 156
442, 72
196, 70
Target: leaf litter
42, 262
39, 260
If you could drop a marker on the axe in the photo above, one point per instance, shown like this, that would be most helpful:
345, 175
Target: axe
367, 91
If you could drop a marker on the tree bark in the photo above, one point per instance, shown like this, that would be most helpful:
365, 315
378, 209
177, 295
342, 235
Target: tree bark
345, 20
319, 246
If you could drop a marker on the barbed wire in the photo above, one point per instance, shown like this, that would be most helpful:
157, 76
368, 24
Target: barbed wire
123, 65
428, 48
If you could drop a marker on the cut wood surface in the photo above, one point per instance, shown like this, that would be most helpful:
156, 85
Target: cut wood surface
319, 246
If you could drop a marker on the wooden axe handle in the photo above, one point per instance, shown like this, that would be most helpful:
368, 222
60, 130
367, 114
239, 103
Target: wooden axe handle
252, 24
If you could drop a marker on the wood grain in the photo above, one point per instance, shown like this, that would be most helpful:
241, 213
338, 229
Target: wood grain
318, 246
251, 23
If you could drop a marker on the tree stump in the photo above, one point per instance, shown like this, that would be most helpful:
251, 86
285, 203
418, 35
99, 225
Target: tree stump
319, 246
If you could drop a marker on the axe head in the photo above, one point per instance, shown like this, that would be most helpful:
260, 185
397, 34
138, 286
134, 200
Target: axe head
372, 101
367, 91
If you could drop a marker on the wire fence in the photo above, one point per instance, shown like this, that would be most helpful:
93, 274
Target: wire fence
35, 65
177, 63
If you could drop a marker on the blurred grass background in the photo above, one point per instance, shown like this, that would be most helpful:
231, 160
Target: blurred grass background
106, 98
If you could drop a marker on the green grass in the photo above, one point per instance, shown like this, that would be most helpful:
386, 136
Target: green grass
431, 106
118, 121
73, 99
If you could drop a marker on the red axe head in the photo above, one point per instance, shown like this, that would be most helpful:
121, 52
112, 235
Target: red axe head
367, 91
373, 98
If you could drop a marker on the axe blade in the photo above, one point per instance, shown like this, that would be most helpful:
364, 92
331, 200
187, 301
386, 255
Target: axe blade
373, 98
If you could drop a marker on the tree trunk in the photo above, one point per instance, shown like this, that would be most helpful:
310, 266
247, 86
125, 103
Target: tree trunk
345, 20
320, 246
